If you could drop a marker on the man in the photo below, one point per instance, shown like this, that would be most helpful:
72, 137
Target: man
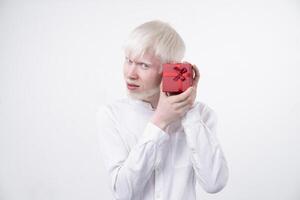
156, 145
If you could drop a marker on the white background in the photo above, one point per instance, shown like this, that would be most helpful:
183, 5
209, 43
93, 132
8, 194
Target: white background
60, 59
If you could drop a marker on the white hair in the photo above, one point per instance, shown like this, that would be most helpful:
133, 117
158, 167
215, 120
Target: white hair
158, 38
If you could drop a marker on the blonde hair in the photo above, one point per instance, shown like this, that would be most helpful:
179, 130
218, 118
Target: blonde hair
158, 38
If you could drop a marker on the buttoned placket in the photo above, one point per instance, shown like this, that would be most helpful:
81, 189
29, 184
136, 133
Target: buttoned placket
158, 183
159, 174
157, 171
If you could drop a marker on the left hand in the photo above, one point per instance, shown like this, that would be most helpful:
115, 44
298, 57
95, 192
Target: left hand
196, 77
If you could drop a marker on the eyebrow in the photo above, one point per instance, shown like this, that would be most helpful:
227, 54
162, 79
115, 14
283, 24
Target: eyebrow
143, 62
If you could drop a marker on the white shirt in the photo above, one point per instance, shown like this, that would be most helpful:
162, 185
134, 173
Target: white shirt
147, 163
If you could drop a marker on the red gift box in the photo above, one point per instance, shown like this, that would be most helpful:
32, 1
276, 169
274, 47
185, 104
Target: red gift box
177, 77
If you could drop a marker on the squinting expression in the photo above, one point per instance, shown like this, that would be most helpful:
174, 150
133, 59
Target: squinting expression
142, 76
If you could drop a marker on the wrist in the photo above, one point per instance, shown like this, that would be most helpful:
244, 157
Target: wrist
159, 123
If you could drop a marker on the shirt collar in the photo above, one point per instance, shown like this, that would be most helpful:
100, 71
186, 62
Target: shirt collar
144, 104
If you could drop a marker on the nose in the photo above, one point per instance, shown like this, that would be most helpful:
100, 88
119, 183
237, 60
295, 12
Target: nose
132, 71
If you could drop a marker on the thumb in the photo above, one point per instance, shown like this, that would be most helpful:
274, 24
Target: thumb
162, 93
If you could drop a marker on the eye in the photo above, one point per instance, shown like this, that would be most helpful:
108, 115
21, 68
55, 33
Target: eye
145, 66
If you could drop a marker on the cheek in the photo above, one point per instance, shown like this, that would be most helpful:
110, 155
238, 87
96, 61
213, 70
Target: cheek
154, 80
157, 76
125, 69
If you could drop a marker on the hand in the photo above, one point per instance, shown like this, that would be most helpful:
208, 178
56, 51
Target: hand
170, 108
196, 77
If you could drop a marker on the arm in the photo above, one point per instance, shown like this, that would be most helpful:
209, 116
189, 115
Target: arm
207, 158
129, 171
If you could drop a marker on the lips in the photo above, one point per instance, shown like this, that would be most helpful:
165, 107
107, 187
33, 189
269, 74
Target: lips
132, 85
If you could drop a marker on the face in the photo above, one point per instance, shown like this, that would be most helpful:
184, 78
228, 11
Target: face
142, 76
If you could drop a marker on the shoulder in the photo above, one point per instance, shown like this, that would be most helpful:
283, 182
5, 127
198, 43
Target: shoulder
202, 111
203, 108
112, 108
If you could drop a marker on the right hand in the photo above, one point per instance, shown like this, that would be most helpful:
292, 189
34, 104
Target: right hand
170, 108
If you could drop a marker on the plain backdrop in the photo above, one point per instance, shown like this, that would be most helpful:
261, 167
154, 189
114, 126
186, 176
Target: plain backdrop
59, 60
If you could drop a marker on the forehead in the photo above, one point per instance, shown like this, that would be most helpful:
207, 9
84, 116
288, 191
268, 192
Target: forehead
146, 58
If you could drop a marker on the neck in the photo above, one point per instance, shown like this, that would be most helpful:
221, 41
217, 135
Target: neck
153, 100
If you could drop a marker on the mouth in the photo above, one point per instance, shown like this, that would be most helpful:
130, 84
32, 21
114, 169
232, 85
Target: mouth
132, 86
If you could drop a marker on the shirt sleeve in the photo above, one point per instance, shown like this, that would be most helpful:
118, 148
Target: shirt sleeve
207, 157
129, 169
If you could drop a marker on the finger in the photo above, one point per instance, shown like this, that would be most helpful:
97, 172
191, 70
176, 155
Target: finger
183, 109
162, 93
179, 105
190, 100
197, 75
183, 96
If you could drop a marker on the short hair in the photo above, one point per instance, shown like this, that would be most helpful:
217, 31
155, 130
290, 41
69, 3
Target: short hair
158, 38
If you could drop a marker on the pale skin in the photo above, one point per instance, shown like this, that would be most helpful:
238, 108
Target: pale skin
168, 107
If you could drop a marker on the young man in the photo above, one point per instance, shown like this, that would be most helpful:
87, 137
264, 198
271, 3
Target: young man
156, 145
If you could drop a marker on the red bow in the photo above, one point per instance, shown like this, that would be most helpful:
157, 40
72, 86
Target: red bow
180, 73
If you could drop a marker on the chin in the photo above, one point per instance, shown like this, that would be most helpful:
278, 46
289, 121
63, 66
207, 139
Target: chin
146, 95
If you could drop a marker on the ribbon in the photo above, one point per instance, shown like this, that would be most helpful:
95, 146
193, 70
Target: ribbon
180, 74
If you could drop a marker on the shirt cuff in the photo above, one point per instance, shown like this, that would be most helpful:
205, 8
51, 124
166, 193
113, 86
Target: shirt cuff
154, 134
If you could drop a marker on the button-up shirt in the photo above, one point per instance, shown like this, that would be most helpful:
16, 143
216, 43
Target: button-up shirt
145, 162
